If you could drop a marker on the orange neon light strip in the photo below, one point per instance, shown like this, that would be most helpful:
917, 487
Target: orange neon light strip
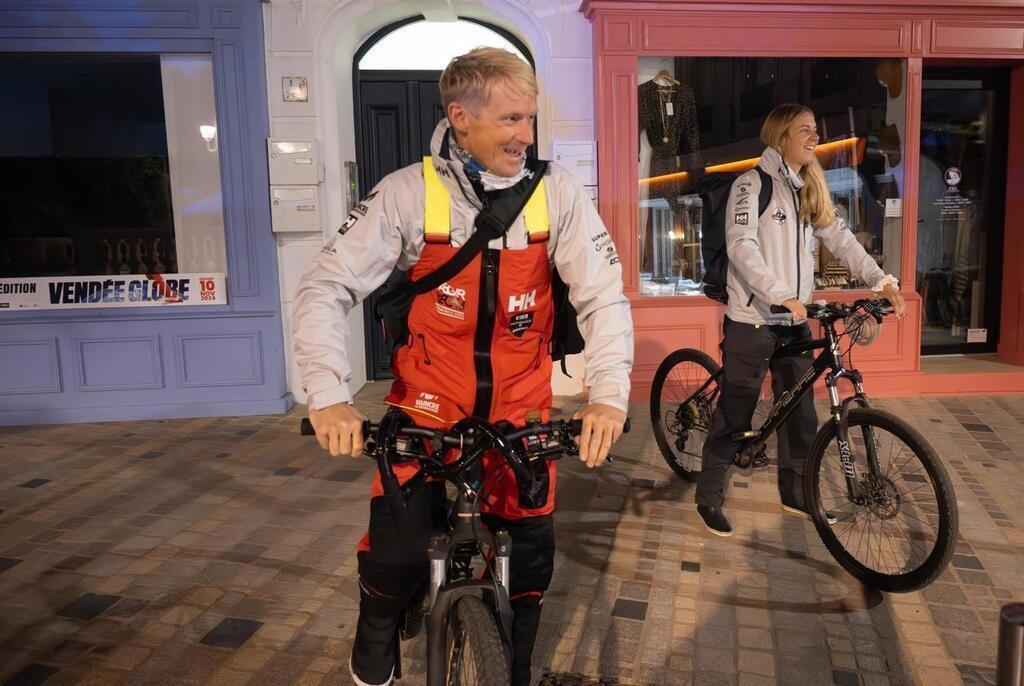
743, 165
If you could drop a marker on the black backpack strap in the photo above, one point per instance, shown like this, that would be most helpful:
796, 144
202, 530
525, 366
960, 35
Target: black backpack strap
764, 198
499, 212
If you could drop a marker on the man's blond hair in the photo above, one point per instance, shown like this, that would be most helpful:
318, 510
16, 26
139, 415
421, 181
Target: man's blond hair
468, 78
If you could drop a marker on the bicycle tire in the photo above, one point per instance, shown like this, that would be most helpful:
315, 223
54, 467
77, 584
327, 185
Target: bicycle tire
474, 646
941, 486
669, 431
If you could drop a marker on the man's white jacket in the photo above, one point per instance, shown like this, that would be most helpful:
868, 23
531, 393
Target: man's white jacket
386, 230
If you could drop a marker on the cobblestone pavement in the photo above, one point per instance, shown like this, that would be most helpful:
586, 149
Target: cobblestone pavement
221, 551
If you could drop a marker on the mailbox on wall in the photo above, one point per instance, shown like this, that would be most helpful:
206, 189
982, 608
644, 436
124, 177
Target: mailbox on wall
293, 162
295, 178
294, 208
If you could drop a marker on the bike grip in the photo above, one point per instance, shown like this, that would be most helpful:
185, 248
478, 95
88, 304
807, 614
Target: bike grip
779, 309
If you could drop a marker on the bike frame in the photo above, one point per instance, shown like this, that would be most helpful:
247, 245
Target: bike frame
829, 363
464, 528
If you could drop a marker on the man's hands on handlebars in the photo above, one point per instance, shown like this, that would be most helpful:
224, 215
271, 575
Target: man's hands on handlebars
602, 426
339, 429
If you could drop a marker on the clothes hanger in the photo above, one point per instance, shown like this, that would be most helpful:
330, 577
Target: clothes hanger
664, 77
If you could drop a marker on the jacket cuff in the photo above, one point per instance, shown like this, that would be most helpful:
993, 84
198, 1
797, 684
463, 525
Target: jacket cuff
318, 400
609, 394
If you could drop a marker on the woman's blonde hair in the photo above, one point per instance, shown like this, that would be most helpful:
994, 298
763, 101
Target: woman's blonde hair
815, 201
469, 78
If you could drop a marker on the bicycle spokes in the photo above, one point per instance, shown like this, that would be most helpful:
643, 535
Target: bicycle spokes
687, 403
890, 521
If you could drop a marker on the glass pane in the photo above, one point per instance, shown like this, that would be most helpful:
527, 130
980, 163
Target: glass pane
959, 235
109, 166
431, 46
700, 120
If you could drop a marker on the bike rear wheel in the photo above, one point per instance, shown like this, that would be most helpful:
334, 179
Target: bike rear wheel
901, 533
683, 396
474, 651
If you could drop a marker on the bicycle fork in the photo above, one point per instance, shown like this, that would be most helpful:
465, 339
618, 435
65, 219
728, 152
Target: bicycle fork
840, 419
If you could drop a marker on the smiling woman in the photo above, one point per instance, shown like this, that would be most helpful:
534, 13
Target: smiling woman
700, 124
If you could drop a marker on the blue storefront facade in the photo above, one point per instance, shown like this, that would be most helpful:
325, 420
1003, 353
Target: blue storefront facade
152, 292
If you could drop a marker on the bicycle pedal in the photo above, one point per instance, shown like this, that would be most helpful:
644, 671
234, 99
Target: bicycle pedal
411, 624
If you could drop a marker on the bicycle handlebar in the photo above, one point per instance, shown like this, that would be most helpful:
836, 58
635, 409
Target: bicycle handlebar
878, 307
571, 426
481, 436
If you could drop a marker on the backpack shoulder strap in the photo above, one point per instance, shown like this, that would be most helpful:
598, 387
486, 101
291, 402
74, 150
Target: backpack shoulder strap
499, 212
764, 198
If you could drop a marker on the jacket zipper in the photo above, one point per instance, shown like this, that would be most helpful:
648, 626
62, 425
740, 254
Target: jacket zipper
799, 232
486, 310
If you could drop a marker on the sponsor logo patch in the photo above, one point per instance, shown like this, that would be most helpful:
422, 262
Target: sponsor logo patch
451, 302
520, 323
428, 402
779, 216
741, 218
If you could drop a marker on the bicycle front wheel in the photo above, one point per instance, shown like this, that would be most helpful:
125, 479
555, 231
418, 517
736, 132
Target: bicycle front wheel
475, 652
683, 395
898, 530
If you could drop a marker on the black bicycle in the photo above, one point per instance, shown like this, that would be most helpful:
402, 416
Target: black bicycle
468, 614
894, 511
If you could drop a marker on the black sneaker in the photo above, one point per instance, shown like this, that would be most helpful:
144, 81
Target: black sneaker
714, 520
799, 509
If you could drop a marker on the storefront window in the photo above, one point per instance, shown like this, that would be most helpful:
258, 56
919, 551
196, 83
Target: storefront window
109, 166
699, 121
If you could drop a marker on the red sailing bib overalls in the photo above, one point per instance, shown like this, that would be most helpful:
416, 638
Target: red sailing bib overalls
479, 344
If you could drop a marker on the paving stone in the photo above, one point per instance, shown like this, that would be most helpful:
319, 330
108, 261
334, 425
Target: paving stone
88, 606
231, 632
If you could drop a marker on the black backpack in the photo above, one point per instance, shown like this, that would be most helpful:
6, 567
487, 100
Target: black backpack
714, 192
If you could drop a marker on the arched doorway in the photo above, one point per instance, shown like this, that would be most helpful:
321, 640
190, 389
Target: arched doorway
397, 106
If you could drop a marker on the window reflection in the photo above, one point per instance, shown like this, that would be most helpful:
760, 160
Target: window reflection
700, 117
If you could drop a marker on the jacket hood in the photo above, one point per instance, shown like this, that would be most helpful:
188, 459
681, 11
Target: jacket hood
776, 167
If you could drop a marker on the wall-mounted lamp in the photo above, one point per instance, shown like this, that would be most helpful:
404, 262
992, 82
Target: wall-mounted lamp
209, 134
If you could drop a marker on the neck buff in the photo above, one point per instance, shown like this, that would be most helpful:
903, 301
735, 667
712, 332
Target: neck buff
475, 170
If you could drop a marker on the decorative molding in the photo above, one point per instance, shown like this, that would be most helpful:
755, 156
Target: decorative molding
299, 9
81, 355
19, 357
619, 34
768, 34
225, 16
229, 78
256, 359
962, 38
92, 15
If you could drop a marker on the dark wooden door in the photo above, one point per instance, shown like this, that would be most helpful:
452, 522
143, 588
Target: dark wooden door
397, 115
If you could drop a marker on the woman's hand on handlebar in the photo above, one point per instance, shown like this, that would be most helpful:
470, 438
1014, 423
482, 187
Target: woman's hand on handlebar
892, 294
797, 308
339, 429
602, 426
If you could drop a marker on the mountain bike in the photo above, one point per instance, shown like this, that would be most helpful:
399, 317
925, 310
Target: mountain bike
892, 505
468, 614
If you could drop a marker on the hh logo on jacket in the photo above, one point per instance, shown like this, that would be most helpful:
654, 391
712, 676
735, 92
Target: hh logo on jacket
522, 302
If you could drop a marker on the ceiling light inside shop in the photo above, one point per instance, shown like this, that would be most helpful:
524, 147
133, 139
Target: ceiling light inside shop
430, 46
